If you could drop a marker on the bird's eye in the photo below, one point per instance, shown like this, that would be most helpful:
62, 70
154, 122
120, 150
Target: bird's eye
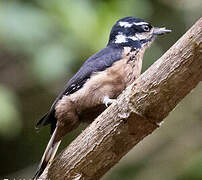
146, 28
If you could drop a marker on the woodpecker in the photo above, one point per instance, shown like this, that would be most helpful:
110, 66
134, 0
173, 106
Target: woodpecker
99, 81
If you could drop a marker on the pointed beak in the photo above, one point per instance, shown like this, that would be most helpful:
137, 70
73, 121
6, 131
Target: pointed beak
161, 31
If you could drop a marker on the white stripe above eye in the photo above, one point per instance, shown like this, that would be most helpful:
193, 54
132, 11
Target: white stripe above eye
140, 23
125, 24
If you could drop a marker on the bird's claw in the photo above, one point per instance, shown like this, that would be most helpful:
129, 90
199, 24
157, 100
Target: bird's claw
107, 101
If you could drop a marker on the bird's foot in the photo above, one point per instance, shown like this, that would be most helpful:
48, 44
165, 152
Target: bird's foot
107, 101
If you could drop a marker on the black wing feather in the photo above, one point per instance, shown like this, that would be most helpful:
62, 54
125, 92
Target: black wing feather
98, 62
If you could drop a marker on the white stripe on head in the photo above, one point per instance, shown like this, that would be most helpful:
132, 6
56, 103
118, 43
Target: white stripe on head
120, 38
125, 24
134, 38
140, 23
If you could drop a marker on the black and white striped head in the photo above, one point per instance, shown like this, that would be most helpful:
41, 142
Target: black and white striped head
134, 32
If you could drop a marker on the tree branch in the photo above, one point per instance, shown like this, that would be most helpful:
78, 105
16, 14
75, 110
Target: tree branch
139, 111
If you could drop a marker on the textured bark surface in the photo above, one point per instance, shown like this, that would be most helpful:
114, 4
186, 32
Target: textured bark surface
138, 112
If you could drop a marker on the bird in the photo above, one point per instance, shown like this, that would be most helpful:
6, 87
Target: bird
99, 81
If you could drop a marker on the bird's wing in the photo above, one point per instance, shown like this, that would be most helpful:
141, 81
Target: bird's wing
96, 63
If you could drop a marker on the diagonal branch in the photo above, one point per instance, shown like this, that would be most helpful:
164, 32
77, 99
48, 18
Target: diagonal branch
139, 111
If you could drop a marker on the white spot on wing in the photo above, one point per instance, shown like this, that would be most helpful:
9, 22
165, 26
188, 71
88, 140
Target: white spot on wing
125, 24
120, 38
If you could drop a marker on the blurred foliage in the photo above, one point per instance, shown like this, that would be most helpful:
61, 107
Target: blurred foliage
9, 115
193, 171
43, 43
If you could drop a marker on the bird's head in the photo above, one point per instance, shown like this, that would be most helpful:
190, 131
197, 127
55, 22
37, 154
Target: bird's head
134, 32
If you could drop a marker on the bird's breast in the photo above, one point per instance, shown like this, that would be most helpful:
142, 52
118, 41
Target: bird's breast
110, 82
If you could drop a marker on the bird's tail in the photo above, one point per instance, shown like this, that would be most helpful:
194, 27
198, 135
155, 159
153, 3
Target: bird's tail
48, 155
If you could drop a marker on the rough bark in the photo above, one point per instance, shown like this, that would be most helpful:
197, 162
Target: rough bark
138, 112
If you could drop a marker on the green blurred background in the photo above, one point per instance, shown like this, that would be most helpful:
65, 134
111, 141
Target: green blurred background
43, 43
